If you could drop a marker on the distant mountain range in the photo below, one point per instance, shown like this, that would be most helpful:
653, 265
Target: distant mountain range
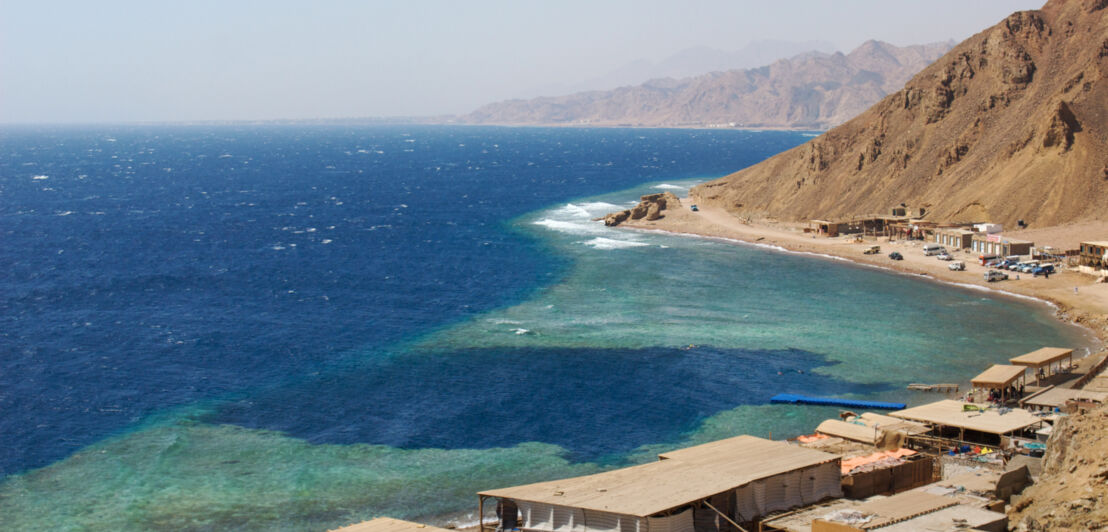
813, 90
689, 62
1012, 124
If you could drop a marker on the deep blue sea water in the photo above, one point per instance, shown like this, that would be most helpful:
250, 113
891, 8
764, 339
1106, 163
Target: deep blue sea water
305, 326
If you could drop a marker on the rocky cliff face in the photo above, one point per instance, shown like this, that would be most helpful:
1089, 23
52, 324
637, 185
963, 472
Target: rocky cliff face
812, 90
1011, 124
1072, 493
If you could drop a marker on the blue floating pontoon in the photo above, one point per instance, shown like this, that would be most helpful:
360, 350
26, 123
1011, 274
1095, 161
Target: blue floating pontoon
794, 399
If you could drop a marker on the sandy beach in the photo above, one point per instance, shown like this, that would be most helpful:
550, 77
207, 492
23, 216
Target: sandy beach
1078, 298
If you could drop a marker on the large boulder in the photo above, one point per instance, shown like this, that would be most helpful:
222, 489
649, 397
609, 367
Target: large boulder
650, 207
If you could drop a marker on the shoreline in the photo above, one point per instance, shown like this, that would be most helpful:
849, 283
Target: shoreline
1085, 308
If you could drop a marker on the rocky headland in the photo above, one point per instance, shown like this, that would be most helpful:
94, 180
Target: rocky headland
1011, 124
650, 208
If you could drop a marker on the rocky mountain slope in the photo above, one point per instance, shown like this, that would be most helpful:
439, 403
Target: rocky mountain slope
1072, 493
1011, 124
812, 90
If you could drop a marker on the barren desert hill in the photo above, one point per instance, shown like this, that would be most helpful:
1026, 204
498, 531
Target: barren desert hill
1011, 124
812, 90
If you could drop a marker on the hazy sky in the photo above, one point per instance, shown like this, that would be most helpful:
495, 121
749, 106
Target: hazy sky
122, 61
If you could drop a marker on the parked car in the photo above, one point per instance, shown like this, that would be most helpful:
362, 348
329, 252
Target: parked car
1044, 269
896, 255
995, 275
957, 266
933, 249
694, 208
872, 250
944, 256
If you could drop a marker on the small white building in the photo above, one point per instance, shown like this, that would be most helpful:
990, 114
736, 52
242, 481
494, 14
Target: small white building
988, 228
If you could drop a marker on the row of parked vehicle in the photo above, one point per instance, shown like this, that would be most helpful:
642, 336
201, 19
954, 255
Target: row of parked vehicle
1033, 267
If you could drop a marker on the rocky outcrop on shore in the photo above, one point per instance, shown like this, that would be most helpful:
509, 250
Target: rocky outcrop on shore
650, 208
1072, 492
1012, 124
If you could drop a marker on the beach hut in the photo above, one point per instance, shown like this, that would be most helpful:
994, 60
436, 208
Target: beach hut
704, 488
1041, 361
387, 524
1002, 378
969, 422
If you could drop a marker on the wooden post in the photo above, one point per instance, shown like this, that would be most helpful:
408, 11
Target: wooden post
723, 515
480, 513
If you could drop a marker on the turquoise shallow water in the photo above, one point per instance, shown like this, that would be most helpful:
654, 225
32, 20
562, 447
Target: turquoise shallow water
624, 301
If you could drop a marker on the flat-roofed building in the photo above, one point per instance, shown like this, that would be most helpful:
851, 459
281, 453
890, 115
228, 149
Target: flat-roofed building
702, 488
953, 238
1094, 254
973, 422
908, 511
996, 244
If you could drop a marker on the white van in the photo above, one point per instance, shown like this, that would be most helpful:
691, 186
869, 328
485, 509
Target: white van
933, 249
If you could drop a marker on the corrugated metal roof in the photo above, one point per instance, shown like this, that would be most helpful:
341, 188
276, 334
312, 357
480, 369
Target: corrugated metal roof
889, 423
1042, 357
680, 477
903, 506
848, 431
1056, 397
952, 414
998, 376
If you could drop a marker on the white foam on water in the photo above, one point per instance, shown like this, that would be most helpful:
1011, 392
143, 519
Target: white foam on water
326, 241
611, 243
64, 213
667, 186
504, 321
521, 330
573, 228
40, 177
601, 207
571, 209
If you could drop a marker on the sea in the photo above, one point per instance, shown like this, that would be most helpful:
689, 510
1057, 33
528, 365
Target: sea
294, 327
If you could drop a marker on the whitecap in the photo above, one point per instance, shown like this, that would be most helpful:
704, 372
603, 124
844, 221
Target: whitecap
40, 177
573, 228
64, 213
667, 186
521, 331
600, 208
326, 241
611, 243
572, 210
504, 321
